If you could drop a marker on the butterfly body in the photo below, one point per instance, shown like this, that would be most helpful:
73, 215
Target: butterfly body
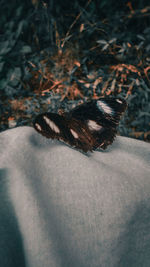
87, 127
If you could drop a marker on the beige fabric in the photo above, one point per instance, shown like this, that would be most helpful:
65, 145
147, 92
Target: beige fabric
61, 208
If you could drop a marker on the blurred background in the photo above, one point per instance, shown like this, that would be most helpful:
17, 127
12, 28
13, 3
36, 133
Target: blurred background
57, 54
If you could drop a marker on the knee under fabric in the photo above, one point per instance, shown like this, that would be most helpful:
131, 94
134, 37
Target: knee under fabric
62, 208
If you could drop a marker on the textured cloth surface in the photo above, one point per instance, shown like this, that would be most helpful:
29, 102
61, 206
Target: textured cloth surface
61, 208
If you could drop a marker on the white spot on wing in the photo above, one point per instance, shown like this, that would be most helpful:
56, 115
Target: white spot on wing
93, 125
119, 101
104, 107
101, 144
38, 127
75, 135
51, 124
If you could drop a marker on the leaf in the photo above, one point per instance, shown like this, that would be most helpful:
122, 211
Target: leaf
105, 47
20, 27
4, 48
1, 66
141, 37
3, 83
112, 40
15, 77
147, 48
121, 50
26, 49
101, 42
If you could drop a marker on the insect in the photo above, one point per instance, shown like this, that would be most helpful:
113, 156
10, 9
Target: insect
87, 127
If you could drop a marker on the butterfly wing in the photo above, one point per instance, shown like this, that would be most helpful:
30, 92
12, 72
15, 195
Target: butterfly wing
106, 111
101, 118
87, 127
70, 131
52, 125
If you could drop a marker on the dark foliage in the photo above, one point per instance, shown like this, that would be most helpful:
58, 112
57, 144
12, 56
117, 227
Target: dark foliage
56, 54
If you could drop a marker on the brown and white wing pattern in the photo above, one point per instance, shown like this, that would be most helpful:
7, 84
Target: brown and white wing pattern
87, 127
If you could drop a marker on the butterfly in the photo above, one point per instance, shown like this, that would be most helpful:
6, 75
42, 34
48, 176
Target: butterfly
87, 127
